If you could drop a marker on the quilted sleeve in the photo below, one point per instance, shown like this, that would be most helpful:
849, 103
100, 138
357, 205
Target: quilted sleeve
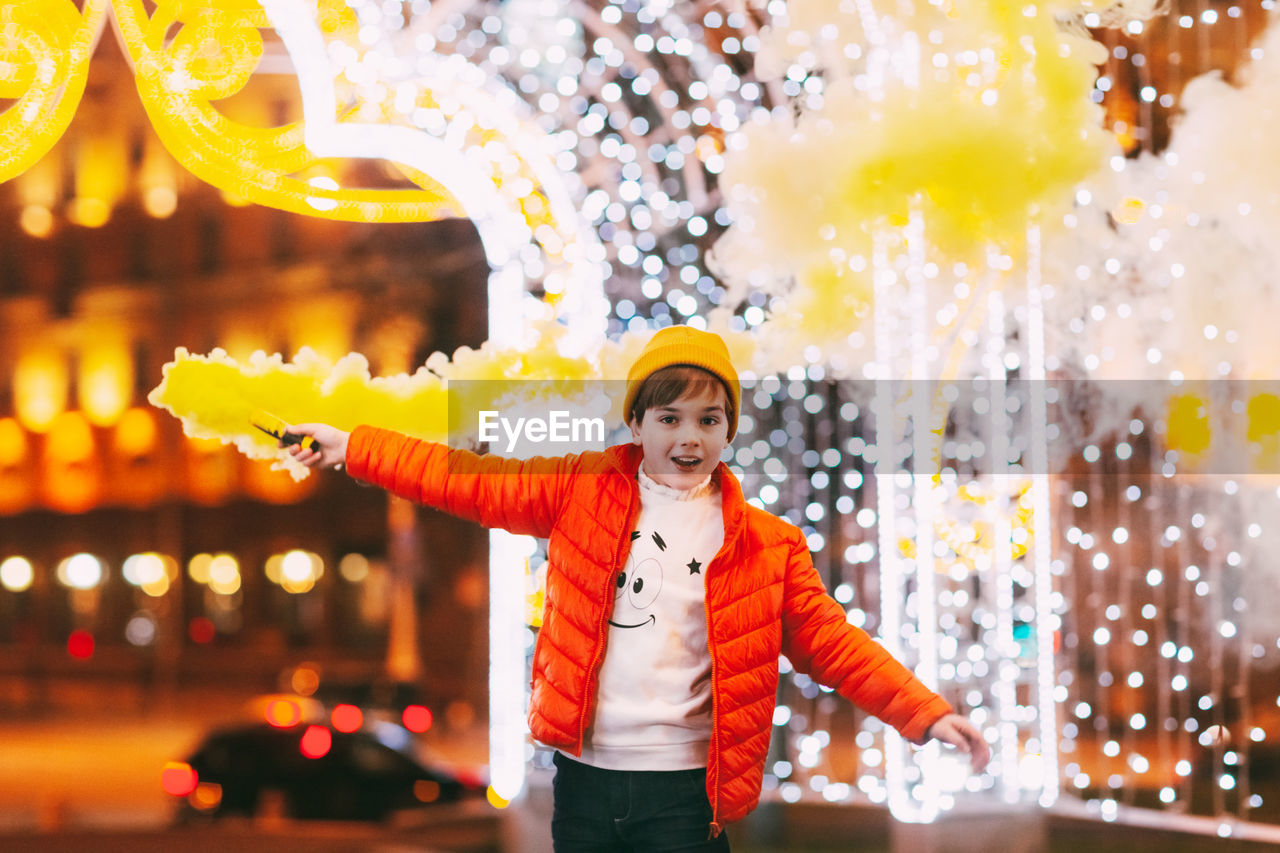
818, 641
520, 495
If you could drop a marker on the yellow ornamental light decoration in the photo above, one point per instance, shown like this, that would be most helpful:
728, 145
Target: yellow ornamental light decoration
968, 530
45, 47
216, 50
467, 139
212, 56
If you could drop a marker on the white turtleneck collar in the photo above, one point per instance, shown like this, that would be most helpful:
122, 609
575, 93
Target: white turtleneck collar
656, 489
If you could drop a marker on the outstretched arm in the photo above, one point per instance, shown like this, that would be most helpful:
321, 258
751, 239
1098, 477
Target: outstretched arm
519, 495
819, 641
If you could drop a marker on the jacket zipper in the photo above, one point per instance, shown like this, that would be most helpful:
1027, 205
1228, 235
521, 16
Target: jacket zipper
713, 754
713, 751
713, 757
594, 670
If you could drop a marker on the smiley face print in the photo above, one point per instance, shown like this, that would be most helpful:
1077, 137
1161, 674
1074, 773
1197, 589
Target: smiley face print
638, 587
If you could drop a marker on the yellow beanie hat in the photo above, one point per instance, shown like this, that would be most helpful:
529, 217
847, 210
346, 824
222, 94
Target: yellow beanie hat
685, 345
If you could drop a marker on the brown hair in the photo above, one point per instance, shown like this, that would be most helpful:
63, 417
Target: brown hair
665, 386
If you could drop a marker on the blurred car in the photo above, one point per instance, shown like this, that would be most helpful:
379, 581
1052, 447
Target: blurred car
310, 772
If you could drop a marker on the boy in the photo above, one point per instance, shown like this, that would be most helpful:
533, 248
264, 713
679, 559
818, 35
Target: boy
668, 603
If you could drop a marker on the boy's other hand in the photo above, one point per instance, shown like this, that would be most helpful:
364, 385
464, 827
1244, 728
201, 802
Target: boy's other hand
959, 732
330, 449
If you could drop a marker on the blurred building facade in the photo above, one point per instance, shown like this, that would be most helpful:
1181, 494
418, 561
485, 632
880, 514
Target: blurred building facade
135, 556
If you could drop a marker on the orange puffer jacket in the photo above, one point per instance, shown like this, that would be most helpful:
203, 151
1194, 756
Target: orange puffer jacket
764, 598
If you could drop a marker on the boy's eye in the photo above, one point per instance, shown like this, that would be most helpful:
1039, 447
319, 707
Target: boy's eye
668, 419
711, 420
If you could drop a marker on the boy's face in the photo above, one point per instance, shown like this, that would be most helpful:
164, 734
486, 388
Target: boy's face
683, 440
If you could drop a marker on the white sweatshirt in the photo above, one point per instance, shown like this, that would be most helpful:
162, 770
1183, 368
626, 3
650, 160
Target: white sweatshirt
653, 711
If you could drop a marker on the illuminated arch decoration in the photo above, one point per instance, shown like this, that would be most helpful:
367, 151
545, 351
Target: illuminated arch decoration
493, 165
44, 62
211, 54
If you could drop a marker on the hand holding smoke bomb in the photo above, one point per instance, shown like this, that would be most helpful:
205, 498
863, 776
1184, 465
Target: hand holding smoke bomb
320, 445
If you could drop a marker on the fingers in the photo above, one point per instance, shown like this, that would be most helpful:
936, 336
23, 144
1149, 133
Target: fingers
952, 734
326, 447
963, 735
975, 745
311, 457
311, 453
979, 751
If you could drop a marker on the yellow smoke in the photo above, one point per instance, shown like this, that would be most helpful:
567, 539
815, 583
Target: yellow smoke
214, 396
989, 129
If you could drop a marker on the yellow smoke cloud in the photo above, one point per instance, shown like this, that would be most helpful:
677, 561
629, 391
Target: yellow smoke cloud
988, 128
215, 396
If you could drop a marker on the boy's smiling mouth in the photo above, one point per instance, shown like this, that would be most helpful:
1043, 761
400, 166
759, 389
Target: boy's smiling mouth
686, 462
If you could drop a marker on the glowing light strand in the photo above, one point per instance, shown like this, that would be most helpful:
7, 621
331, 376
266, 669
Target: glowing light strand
924, 470
1041, 553
1006, 651
886, 468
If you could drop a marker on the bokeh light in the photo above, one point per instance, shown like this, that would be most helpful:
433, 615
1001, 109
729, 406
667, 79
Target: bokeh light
16, 574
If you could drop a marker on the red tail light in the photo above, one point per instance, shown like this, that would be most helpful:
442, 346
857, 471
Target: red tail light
417, 718
347, 718
80, 644
316, 741
178, 778
470, 777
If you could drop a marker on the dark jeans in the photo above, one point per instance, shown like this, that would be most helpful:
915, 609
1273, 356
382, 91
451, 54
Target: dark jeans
610, 811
